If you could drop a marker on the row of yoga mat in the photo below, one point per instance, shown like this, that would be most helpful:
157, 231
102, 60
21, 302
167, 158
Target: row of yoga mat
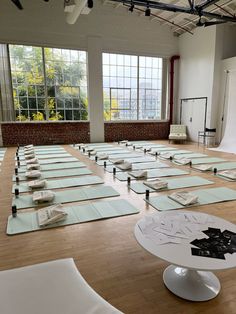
27, 221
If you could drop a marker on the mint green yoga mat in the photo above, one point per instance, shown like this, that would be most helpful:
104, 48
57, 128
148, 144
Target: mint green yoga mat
47, 152
153, 173
48, 156
131, 160
28, 222
225, 166
206, 196
68, 196
188, 181
60, 184
192, 155
140, 166
204, 160
57, 174
53, 161
65, 165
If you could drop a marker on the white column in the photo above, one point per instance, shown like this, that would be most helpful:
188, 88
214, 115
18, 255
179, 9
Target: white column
95, 89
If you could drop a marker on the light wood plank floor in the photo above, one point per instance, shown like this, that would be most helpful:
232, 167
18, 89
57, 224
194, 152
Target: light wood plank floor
106, 252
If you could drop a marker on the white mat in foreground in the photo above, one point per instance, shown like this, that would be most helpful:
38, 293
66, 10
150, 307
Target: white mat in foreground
55, 287
228, 143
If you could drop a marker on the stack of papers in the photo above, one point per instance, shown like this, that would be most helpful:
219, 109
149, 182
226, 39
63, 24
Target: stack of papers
174, 228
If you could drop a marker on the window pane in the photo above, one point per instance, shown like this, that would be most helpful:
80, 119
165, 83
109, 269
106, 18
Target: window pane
65, 72
120, 87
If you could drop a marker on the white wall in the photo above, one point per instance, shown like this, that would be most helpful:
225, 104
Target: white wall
200, 66
112, 30
197, 65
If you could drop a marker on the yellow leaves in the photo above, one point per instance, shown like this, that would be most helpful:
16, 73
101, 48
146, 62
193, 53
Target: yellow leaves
21, 117
38, 116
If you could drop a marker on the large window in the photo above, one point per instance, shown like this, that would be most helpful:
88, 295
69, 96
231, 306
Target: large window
48, 83
132, 87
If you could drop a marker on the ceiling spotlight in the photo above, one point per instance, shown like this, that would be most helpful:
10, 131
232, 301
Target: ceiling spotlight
18, 4
147, 11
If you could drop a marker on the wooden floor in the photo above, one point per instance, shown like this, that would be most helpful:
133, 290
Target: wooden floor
106, 252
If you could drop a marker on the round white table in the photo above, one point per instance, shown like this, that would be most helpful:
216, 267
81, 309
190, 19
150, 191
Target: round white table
189, 276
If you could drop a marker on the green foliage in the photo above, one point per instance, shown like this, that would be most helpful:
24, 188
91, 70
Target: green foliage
62, 80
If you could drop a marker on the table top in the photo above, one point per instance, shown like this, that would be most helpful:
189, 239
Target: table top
167, 235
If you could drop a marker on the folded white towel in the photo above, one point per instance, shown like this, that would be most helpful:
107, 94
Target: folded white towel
51, 214
43, 196
203, 167
230, 174
183, 161
93, 152
103, 156
33, 167
28, 146
116, 161
156, 184
139, 174
89, 149
33, 174
29, 152
148, 149
32, 161
32, 155
125, 166
35, 184
166, 155
184, 198
124, 141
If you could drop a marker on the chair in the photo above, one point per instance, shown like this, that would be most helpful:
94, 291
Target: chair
177, 132
207, 135
54, 287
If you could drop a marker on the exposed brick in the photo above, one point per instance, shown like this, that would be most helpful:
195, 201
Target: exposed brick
134, 131
44, 133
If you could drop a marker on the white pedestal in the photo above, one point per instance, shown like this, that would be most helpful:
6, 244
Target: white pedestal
191, 284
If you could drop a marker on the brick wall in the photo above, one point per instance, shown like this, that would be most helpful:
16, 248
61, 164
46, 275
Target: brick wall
44, 133
134, 131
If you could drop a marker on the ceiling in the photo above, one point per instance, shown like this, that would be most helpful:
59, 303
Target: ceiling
179, 22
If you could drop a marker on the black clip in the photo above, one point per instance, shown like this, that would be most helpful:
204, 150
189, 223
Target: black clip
14, 211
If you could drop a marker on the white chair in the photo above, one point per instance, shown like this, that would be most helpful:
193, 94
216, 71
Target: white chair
177, 132
54, 287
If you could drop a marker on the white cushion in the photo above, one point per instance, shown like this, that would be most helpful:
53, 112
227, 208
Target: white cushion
156, 184
43, 196
54, 287
139, 174
33, 174
35, 184
51, 214
32, 161
103, 156
125, 166
33, 167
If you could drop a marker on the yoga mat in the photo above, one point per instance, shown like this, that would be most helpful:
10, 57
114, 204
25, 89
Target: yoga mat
47, 156
153, 146
65, 165
189, 181
131, 160
205, 160
153, 173
53, 161
225, 166
28, 222
140, 166
48, 152
206, 196
164, 149
67, 196
59, 184
193, 155
112, 148
56, 174
111, 154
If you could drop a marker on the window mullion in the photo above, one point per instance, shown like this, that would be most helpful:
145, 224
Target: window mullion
138, 100
45, 85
